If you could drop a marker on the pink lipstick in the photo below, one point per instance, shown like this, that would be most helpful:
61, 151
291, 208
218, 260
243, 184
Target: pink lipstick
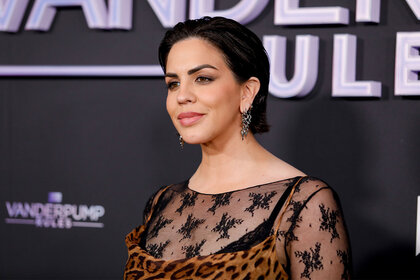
189, 118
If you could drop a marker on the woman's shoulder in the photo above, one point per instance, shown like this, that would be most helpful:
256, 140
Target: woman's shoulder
160, 196
312, 196
314, 192
302, 187
307, 186
312, 182
304, 183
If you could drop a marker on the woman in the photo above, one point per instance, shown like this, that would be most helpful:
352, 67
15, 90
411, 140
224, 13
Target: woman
244, 213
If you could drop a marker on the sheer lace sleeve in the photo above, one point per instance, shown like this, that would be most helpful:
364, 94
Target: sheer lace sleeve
315, 235
151, 203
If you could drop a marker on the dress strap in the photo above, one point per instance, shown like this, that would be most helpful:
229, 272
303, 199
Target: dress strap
155, 201
286, 204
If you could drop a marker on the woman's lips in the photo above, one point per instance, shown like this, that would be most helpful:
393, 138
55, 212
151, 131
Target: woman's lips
189, 118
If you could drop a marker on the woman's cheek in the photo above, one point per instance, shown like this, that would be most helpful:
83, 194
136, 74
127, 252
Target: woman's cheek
170, 107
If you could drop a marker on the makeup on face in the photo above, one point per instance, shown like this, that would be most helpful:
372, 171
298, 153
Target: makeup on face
189, 118
203, 95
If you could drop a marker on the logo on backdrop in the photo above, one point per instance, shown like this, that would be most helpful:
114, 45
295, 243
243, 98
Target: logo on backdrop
54, 214
118, 14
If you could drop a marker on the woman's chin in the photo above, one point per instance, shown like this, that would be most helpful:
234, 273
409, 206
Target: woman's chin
194, 139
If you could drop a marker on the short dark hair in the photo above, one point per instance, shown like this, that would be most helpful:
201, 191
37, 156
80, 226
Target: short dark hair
243, 51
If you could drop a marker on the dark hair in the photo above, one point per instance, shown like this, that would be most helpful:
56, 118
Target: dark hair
243, 51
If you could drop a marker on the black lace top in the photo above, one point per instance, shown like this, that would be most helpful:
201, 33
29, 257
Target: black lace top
311, 242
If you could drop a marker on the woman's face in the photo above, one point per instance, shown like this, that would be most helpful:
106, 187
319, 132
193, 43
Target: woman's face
203, 95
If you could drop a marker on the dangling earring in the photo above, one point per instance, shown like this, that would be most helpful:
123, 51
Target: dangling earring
181, 141
246, 121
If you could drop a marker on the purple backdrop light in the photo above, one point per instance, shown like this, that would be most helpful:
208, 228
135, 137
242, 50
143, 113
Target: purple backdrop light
55, 197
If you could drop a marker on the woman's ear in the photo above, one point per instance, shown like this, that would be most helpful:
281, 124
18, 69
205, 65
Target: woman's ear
250, 89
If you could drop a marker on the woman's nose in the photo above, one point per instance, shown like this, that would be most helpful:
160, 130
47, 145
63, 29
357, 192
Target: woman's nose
185, 94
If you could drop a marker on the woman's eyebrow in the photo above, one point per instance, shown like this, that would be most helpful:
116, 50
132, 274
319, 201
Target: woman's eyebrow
198, 68
191, 71
171, 75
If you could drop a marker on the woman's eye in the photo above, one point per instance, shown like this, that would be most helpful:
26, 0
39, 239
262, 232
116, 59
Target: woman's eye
172, 85
204, 80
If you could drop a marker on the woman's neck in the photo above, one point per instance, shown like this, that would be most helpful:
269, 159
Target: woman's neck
231, 165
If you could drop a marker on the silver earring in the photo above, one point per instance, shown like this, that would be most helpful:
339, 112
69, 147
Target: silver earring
181, 141
246, 121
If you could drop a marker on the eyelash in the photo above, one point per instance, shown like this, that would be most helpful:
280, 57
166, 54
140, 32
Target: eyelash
206, 79
171, 85
200, 79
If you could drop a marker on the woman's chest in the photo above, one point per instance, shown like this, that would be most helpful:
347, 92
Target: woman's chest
191, 224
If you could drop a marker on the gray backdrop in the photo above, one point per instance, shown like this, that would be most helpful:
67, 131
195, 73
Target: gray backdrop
109, 142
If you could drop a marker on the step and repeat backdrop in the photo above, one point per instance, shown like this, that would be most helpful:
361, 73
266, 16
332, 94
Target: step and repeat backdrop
85, 138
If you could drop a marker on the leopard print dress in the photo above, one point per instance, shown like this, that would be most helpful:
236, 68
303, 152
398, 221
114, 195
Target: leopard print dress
191, 235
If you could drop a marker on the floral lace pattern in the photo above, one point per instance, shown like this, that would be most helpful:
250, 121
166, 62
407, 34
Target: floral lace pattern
311, 241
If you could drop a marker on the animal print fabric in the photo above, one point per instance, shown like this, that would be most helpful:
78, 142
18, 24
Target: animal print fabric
292, 228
